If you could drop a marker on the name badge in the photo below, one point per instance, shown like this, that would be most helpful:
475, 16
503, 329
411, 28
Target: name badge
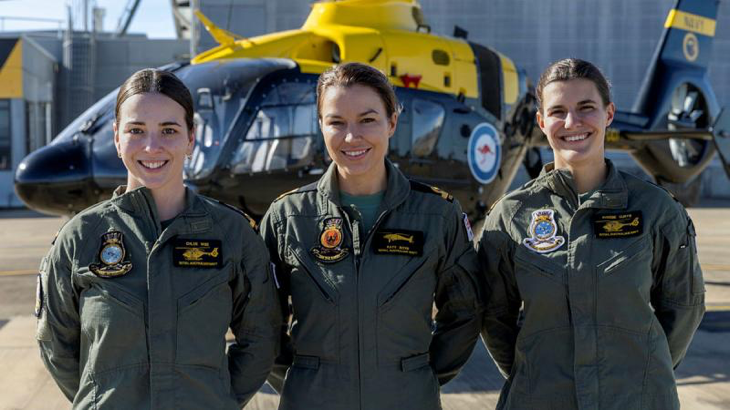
398, 242
197, 253
621, 225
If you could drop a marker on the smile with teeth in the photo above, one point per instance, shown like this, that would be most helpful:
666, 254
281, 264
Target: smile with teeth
577, 137
356, 153
152, 164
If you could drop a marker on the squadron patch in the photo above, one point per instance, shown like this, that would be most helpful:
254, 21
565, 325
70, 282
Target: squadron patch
543, 232
111, 256
398, 242
197, 253
38, 296
621, 225
329, 249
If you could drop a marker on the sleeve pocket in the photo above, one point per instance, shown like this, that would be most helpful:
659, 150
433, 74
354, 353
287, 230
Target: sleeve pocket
698, 283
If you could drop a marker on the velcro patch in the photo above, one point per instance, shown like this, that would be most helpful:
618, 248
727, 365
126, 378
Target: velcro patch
398, 242
197, 253
620, 225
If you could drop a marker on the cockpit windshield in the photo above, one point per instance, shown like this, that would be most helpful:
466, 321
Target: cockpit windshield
219, 90
283, 131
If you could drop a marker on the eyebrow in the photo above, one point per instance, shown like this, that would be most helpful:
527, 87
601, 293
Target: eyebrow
164, 124
370, 111
582, 102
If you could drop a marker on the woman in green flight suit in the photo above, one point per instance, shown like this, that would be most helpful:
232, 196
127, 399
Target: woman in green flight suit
603, 265
362, 255
137, 292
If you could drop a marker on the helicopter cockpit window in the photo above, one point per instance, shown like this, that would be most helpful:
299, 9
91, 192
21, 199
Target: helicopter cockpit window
428, 119
282, 132
220, 91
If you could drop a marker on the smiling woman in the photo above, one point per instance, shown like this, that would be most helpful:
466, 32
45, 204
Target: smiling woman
600, 267
363, 255
155, 277
154, 133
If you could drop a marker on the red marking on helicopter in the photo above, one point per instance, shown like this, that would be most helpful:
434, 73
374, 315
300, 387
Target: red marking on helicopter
484, 150
409, 79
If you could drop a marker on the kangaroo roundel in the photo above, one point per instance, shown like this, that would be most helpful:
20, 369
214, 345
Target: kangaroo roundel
484, 153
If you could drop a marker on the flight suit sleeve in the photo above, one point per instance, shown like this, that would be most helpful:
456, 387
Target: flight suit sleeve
58, 327
286, 353
499, 321
457, 300
255, 321
678, 293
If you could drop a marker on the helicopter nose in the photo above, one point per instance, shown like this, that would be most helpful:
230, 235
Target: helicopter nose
57, 178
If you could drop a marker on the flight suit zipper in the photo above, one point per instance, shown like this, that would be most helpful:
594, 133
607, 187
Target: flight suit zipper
355, 235
357, 259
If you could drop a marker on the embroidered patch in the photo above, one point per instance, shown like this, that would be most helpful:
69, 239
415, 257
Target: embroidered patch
38, 296
197, 253
621, 225
329, 249
543, 232
398, 242
111, 256
467, 225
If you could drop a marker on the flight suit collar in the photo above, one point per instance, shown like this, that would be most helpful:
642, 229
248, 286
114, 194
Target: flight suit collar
395, 193
612, 194
195, 216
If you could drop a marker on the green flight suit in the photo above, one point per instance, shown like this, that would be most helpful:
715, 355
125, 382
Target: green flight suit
154, 337
362, 334
612, 293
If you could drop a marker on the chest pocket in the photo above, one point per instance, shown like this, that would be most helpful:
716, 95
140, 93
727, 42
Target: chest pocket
418, 275
533, 263
203, 318
634, 257
112, 320
315, 302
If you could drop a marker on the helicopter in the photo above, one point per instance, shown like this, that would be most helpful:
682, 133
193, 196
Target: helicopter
467, 122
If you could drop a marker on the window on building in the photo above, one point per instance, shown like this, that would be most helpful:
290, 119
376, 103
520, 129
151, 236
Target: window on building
5, 137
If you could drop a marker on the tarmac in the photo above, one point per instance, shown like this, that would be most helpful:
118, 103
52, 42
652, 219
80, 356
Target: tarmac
25, 236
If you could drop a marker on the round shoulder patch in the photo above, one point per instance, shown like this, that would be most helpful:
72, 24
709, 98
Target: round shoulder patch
484, 153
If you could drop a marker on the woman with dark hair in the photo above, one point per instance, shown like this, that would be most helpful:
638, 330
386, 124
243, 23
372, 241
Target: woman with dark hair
137, 293
362, 256
600, 266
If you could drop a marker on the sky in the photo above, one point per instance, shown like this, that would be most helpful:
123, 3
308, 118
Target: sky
153, 17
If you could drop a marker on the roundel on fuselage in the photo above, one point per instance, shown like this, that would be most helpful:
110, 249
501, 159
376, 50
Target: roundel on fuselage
484, 153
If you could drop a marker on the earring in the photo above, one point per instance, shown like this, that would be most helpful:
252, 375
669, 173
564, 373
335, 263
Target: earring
119, 154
